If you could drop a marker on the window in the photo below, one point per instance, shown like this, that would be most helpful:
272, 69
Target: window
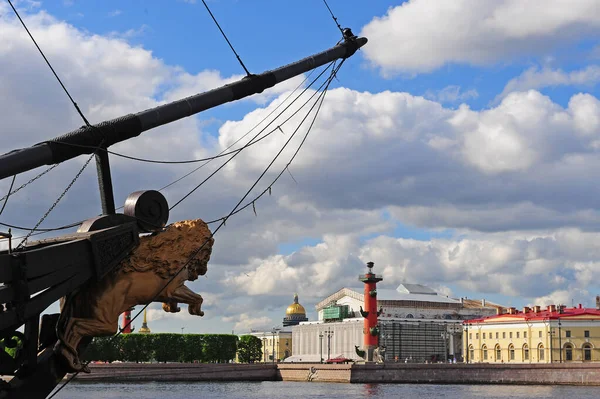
470, 335
525, 352
511, 352
524, 334
517, 334
510, 334
471, 352
568, 352
568, 333
409, 316
476, 335
587, 352
484, 351
540, 334
483, 335
498, 353
540, 352
503, 335
496, 335
586, 333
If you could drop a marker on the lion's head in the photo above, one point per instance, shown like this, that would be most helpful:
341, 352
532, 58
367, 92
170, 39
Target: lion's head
167, 252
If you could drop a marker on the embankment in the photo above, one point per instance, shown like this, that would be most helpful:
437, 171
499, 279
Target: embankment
521, 374
173, 372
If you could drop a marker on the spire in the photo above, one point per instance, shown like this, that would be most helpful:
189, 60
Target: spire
145, 329
296, 298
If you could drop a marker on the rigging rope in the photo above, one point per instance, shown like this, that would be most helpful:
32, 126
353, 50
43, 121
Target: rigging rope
262, 130
225, 36
6, 197
334, 18
49, 65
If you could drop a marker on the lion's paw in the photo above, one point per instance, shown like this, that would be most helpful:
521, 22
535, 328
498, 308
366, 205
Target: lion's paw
171, 307
194, 309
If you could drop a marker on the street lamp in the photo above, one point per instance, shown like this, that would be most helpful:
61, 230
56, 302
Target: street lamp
321, 345
182, 329
329, 333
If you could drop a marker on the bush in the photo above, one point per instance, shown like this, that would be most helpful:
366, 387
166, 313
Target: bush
163, 348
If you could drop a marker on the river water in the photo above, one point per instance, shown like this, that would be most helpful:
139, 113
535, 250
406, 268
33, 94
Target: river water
291, 390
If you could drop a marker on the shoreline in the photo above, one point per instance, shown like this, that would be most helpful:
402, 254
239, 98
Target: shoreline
579, 374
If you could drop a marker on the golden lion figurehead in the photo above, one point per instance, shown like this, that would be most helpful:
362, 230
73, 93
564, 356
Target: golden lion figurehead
165, 253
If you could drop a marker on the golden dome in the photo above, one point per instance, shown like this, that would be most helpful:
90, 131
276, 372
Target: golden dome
295, 308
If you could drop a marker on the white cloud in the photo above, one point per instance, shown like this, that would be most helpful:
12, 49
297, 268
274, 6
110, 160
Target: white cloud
246, 323
115, 13
535, 78
423, 35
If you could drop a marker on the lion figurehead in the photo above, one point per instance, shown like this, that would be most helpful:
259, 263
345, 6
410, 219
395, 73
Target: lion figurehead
166, 252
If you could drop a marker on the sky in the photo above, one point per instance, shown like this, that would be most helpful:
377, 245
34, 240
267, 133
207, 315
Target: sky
457, 149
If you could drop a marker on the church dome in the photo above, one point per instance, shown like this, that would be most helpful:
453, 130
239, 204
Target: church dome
295, 308
294, 314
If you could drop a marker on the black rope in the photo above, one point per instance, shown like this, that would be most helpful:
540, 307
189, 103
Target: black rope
334, 18
29, 182
8, 195
262, 130
225, 36
49, 65
269, 188
249, 131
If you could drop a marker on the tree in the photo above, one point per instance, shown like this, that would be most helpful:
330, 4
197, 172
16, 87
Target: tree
249, 349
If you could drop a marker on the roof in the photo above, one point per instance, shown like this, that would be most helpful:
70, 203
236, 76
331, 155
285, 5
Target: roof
575, 313
477, 304
415, 289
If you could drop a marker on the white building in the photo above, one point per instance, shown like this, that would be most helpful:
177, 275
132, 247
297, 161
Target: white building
416, 324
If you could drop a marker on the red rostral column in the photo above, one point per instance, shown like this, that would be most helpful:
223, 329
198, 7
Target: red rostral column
127, 329
370, 330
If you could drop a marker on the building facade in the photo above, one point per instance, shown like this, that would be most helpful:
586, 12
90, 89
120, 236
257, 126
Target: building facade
533, 335
416, 325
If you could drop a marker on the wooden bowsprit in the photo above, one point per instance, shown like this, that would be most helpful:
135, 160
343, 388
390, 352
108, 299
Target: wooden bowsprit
42, 272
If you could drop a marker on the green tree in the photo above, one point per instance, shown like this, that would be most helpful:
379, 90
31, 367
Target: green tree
249, 349
167, 347
136, 347
107, 349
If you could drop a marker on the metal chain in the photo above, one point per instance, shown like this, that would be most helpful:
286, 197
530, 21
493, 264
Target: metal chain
29, 182
20, 246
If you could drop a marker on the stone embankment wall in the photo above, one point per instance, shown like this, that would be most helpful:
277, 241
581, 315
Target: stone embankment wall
141, 372
552, 374
315, 372
547, 374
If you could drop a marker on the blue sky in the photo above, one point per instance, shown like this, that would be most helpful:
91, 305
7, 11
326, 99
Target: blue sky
458, 149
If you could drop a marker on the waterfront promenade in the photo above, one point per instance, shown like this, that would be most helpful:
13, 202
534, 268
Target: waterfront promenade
587, 374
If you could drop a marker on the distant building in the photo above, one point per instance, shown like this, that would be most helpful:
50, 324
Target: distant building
416, 324
533, 335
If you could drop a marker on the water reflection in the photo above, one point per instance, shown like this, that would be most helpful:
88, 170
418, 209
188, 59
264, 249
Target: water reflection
514, 391
371, 390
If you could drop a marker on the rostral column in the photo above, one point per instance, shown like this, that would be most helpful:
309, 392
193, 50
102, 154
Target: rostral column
370, 329
127, 328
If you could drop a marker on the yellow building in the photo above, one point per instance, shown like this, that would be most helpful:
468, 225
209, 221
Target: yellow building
277, 343
555, 334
